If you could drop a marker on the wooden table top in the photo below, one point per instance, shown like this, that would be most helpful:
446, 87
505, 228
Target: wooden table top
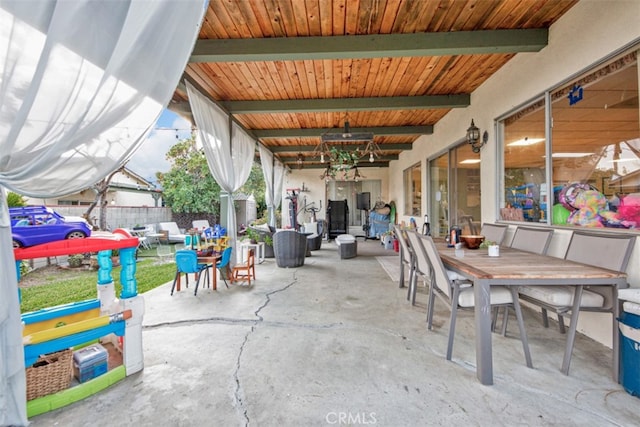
518, 265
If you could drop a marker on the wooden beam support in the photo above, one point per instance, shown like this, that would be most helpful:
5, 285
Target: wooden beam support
370, 46
316, 132
348, 104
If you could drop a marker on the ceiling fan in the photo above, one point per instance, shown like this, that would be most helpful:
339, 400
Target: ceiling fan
346, 135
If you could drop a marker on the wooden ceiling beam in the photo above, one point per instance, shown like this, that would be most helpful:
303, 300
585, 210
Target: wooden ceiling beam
364, 164
316, 132
349, 147
348, 104
370, 46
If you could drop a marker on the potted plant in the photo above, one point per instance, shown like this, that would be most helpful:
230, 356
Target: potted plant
256, 237
493, 248
252, 235
75, 260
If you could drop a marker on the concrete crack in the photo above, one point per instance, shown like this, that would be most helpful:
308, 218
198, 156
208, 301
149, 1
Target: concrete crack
239, 393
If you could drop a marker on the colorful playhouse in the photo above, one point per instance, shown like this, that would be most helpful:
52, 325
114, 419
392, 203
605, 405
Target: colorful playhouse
75, 350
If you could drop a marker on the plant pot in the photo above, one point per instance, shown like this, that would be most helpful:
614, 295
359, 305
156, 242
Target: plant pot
75, 262
494, 250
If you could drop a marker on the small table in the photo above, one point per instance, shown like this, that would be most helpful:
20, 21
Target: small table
142, 238
259, 250
212, 259
154, 238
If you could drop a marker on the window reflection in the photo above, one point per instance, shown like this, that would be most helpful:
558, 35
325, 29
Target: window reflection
595, 146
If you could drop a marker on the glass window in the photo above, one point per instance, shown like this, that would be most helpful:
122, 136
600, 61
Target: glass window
596, 147
524, 165
412, 190
595, 152
439, 195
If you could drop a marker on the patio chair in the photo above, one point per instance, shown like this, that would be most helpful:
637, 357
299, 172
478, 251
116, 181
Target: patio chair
494, 232
610, 251
528, 239
245, 270
187, 262
314, 241
422, 267
460, 295
223, 264
164, 252
406, 260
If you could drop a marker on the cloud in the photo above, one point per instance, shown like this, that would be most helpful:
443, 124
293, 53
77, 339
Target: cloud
151, 156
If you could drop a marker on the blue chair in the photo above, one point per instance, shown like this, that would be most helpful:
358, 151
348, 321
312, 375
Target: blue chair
224, 263
187, 262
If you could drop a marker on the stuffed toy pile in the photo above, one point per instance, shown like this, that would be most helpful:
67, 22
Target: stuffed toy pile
580, 204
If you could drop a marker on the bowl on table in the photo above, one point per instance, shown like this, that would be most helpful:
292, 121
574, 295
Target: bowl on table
473, 241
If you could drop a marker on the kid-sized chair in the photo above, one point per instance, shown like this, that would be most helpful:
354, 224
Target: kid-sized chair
187, 262
245, 270
223, 264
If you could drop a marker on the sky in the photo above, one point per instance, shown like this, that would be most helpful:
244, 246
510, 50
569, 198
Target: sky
150, 157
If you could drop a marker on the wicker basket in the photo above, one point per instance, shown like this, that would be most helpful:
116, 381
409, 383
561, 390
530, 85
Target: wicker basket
50, 374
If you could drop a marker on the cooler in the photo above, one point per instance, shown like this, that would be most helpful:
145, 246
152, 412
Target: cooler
629, 326
90, 362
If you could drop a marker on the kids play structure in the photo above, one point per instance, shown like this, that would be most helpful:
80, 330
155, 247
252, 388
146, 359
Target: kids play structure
113, 323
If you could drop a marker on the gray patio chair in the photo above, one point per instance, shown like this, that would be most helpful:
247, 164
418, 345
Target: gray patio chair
610, 251
529, 239
421, 267
314, 242
494, 232
406, 258
458, 294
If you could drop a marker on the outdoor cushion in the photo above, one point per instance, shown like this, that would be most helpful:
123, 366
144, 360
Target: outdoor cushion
630, 294
631, 307
173, 230
499, 295
561, 296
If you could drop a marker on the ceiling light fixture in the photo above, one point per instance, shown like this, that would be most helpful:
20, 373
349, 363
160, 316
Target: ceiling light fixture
342, 160
300, 160
524, 142
473, 137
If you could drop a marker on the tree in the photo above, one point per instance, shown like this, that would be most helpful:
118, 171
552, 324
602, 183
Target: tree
101, 188
189, 186
15, 200
255, 185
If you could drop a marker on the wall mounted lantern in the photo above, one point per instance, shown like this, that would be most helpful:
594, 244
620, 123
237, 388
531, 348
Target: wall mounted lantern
473, 137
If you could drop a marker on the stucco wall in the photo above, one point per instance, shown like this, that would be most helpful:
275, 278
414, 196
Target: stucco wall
585, 35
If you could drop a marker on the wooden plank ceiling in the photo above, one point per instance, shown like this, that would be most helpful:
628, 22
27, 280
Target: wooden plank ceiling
290, 70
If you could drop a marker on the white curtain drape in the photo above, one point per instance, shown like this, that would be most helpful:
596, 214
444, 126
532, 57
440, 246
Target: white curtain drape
81, 84
273, 172
228, 148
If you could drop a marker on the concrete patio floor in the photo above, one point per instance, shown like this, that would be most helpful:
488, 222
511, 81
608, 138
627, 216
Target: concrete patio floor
336, 342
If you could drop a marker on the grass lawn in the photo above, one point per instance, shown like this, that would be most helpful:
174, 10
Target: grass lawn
51, 286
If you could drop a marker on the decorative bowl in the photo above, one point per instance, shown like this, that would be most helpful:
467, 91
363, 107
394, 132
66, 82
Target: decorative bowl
473, 241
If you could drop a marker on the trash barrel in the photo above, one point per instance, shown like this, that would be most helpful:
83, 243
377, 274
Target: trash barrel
629, 325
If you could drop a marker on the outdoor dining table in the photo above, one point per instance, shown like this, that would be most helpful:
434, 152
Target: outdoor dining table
514, 267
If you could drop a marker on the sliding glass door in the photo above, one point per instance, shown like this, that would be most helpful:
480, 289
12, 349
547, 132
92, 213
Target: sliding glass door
454, 191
